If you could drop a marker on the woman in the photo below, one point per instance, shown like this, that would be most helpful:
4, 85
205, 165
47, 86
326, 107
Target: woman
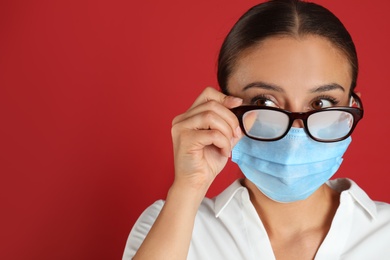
288, 72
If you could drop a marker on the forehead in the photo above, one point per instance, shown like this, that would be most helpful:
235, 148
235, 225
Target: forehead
291, 63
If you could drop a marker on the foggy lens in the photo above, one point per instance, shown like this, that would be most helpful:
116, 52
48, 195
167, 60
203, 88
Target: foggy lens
265, 124
329, 125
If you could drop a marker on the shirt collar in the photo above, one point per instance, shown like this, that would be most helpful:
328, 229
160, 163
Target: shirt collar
341, 185
224, 198
350, 187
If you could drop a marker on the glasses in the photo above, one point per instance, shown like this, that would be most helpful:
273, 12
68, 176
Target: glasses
324, 125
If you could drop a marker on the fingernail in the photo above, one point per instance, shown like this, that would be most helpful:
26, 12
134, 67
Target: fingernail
238, 131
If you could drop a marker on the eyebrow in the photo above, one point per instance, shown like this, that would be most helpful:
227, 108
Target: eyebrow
327, 87
263, 85
268, 86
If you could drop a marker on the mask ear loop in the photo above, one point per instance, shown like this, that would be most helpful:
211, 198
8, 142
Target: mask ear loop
354, 101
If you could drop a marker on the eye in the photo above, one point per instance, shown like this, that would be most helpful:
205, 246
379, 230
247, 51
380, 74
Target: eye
323, 102
263, 101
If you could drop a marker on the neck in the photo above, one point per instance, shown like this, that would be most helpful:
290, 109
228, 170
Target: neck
312, 214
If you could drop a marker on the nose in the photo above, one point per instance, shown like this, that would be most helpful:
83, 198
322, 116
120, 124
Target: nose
295, 105
298, 123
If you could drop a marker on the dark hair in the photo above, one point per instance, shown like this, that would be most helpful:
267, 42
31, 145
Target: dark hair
283, 17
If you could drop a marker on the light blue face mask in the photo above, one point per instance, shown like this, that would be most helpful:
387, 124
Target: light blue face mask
289, 169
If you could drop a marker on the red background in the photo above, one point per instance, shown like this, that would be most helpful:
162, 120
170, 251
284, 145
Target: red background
88, 90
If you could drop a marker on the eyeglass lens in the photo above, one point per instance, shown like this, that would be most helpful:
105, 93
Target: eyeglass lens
329, 125
324, 125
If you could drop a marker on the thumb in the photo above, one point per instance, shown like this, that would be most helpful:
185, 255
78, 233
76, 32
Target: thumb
231, 101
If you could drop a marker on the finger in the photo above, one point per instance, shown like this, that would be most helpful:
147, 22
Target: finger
207, 120
210, 93
195, 140
210, 111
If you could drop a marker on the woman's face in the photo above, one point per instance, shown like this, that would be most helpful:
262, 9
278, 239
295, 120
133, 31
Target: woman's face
296, 74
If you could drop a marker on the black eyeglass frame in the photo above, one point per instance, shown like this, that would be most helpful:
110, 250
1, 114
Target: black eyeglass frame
356, 112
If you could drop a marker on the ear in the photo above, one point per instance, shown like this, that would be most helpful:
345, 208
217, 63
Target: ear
353, 102
358, 94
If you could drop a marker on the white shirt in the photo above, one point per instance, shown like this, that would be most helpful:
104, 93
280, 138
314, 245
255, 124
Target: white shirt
228, 227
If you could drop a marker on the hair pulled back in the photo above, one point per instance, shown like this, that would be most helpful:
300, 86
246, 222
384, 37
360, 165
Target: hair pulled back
283, 17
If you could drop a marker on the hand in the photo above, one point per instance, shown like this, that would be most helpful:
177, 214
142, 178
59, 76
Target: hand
203, 138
